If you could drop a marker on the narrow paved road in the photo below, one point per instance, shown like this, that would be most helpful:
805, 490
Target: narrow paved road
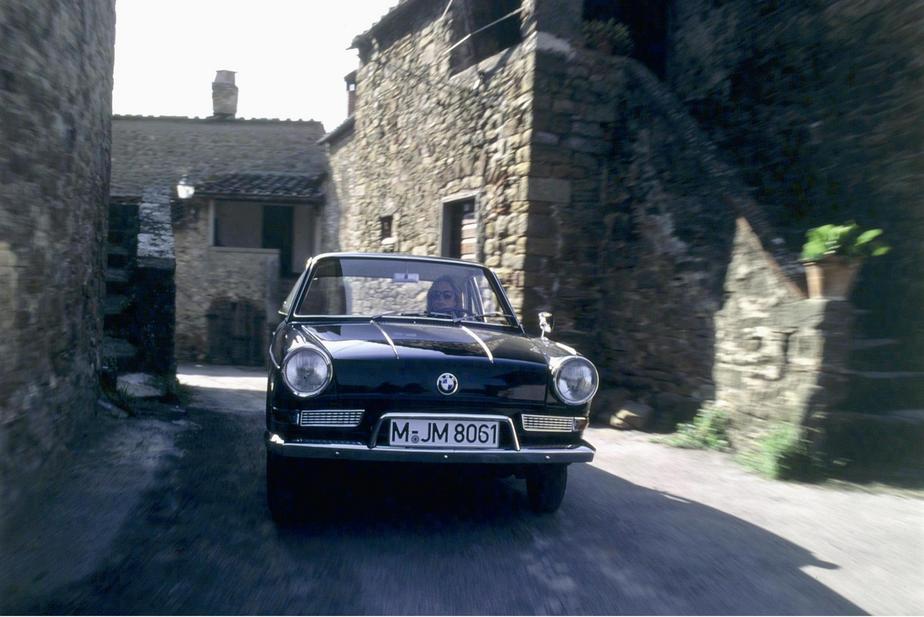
646, 529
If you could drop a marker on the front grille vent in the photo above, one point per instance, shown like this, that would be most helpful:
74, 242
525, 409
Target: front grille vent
330, 417
548, 424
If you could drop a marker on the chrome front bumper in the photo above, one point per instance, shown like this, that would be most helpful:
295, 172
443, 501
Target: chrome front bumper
578, 453
581, 452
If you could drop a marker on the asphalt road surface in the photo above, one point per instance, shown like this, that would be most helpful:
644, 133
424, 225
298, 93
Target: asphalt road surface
167, 515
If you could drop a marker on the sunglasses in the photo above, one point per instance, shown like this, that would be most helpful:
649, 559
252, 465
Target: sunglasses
445, 295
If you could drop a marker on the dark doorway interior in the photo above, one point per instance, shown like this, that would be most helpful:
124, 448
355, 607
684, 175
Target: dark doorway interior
277, 234
459, 230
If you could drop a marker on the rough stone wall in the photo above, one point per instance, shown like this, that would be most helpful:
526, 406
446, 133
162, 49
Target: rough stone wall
422, 136
616, 213
820, 105
207, 274
55, 106
628, 236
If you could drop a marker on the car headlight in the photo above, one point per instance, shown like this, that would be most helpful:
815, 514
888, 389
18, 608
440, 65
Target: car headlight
575, 380
306, 371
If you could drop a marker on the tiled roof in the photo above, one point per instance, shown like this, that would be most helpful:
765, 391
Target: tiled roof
394, 13
214, 120
342, 129
154, 153
260, 186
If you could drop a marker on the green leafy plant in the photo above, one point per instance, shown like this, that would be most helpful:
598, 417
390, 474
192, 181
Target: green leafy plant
121, 398
709, 430
608, 36
846, 240
782, 453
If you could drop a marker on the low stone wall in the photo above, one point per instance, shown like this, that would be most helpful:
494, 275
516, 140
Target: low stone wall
779, 358
55, 107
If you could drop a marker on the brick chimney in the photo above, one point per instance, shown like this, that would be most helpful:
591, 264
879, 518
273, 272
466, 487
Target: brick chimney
224, 95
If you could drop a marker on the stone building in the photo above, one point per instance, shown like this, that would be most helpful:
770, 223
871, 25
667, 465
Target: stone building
55, 107
255, 215
491, 130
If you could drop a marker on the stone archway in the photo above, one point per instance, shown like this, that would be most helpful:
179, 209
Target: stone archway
236, 332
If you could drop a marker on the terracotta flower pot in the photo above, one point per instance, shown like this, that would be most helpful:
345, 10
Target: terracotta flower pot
831, 277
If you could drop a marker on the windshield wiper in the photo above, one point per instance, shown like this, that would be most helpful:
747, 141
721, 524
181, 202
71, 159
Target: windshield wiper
406, 314
380, 315
483, 315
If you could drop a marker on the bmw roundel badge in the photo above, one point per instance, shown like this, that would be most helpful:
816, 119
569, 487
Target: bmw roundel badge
447, 384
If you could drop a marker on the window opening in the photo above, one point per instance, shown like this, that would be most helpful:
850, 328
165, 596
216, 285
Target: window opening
481, 28
460, 232
385, 227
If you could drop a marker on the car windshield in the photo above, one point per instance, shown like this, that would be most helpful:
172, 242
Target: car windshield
398, 288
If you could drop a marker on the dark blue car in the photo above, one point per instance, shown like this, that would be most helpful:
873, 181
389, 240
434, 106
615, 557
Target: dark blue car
416, 359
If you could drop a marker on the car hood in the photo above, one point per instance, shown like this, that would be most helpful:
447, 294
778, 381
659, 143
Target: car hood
391, 357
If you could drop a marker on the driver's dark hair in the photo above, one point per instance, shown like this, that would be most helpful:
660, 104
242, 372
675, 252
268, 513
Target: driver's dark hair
455, 290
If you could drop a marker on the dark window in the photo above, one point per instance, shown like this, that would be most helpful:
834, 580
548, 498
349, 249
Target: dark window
385, 224
459, 230
481, 28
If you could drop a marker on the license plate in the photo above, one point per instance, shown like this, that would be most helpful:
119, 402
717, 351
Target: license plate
443, 433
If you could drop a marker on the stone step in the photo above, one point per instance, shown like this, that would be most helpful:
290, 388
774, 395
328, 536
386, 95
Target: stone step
114, 304
141, 385
881, 391
887, 374
118, 250
118, 355
884, 359
121, 237
119, 276
875, 438
117, 256
873, 343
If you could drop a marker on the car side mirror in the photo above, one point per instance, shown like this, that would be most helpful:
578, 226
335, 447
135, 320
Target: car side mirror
546, 322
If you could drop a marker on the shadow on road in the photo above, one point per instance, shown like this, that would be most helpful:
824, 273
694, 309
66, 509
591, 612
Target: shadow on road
408, 540
614, 547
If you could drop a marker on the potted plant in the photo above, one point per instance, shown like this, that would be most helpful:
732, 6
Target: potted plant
609, 37
834, 253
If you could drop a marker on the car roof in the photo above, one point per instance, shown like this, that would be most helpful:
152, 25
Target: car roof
399, 256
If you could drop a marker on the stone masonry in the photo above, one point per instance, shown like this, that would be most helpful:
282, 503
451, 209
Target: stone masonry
598, 198
55, 109
422, 138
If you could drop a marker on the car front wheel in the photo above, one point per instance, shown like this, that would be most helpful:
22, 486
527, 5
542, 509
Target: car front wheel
546, 487
280, 493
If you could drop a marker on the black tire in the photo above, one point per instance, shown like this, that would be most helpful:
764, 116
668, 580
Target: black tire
546, 486
280, 491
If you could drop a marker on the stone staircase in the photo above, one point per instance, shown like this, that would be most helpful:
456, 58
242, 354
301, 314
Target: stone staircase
881, 420
120, 355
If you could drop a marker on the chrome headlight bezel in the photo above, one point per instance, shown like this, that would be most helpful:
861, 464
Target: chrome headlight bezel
558, 364
305, 348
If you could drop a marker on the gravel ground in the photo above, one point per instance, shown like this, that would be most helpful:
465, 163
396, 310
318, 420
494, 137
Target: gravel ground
165, 513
